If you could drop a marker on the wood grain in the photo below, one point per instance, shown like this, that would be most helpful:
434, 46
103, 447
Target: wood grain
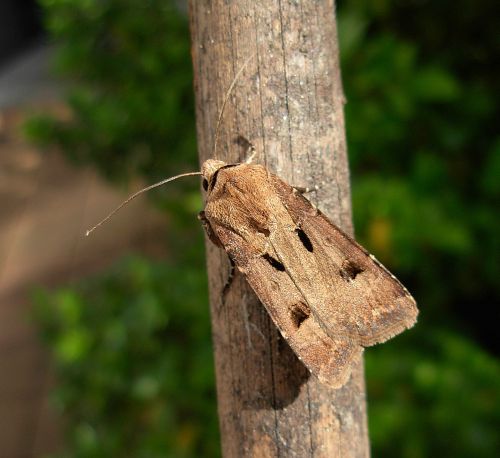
288, 102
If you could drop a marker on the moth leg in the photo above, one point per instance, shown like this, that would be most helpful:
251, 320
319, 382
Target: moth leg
213, 237
229, 281
304, 190
230, 278
250, 149
252, 155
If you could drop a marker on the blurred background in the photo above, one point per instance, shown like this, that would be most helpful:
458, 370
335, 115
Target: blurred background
105, 343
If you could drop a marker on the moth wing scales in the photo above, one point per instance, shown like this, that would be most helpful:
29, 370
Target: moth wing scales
254, 215
329, 359
372, 305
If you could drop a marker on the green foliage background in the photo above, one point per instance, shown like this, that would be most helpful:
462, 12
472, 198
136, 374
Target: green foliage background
132, 347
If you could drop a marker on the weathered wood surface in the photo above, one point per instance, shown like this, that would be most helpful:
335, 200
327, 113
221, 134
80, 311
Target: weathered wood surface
288, 102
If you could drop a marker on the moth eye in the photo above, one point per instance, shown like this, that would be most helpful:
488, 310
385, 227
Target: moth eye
300, 313
274, 262
306, 241
205, 184
349, 270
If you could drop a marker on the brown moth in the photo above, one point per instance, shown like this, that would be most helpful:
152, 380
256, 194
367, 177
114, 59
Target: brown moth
326, 294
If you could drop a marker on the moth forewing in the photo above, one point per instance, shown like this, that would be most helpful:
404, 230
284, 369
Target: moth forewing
365, 301
349, 292
325, 293
328, 359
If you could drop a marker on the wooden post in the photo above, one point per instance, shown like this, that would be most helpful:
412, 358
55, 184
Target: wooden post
288, 102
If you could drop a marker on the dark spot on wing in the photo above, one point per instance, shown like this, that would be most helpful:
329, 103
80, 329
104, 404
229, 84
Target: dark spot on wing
300, 313
274, 262
350, 270
306, 241
262, 230
205, 184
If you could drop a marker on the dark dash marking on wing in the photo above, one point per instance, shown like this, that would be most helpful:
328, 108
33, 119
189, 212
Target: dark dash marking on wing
306, 241
349, 270
300, 313
274, 262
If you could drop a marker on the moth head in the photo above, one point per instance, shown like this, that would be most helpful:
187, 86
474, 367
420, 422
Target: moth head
208, 170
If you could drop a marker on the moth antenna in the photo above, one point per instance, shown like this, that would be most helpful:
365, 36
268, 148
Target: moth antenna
217, 132
133, 196
226, 98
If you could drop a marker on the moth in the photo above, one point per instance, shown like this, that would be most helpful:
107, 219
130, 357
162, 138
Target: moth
326, 294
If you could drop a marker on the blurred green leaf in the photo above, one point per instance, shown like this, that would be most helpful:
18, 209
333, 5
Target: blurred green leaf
135, 383
432, 393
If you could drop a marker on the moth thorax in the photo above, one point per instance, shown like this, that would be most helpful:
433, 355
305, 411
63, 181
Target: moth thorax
209, 167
